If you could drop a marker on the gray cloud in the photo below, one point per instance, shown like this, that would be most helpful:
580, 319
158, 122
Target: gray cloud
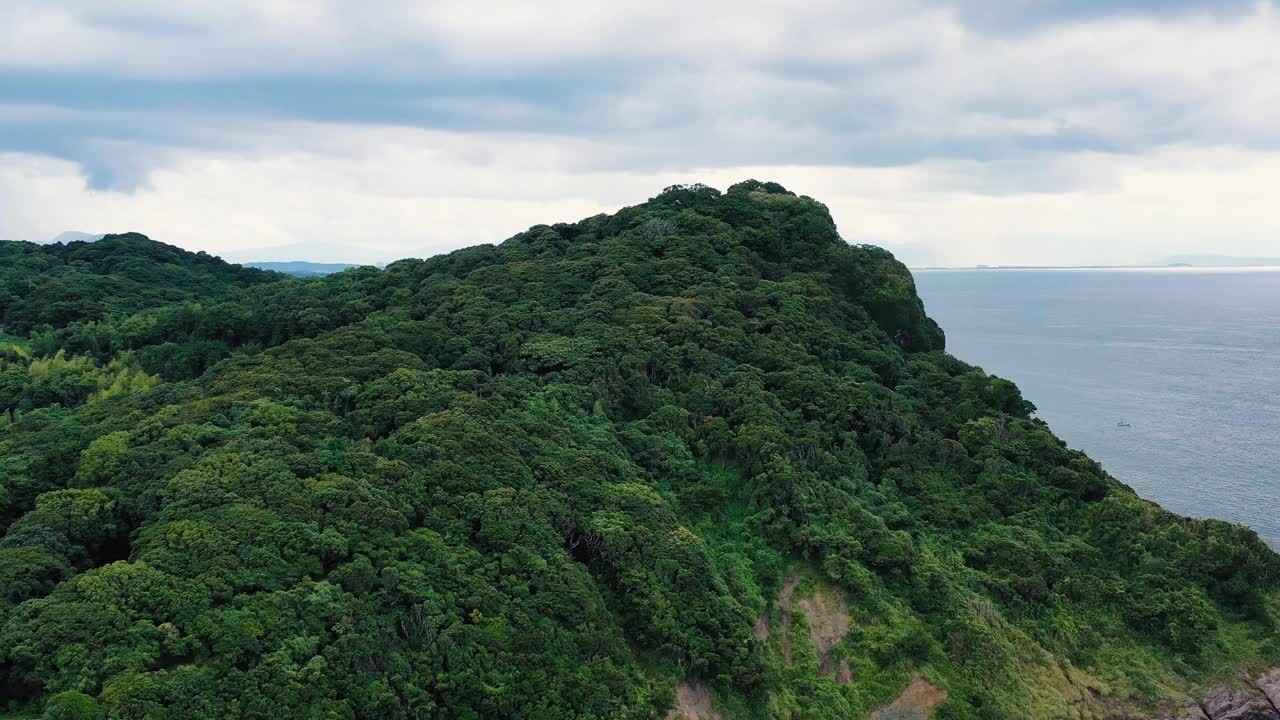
975, 80
993, 99
1021, 15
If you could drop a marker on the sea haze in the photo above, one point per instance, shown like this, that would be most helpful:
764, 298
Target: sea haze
1190, 358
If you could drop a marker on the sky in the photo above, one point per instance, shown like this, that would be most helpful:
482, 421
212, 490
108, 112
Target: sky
952, 133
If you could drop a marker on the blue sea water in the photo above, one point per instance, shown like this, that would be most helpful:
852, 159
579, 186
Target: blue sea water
1190, 358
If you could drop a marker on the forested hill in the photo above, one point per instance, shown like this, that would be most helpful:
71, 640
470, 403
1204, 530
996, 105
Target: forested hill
56, 284
700, 458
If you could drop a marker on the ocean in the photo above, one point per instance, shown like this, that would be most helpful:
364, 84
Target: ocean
1189, 358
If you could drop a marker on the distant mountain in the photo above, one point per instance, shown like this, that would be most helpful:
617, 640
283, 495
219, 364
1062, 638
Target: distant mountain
301, 268
1211, 260
71, 236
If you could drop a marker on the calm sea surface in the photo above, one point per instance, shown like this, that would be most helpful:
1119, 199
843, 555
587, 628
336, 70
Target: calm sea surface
1189, 358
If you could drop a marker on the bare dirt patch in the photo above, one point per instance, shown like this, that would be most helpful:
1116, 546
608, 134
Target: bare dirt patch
784, 601
917, 702
761, 628
693, 702
846, 673
827, 613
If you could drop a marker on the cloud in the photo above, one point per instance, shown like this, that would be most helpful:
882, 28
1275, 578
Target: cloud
479, 113
377, 194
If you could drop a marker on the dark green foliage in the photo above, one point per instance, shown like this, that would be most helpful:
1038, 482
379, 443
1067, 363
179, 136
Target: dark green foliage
551, 478
56, 285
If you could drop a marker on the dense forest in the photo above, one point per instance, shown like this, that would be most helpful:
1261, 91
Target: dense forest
45, 286
701, 454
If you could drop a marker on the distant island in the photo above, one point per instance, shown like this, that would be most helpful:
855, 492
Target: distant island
71, 236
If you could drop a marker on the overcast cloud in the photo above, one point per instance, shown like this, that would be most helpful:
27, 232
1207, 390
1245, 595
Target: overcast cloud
1028, 132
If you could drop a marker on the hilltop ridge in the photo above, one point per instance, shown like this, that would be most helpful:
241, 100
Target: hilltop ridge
79, 281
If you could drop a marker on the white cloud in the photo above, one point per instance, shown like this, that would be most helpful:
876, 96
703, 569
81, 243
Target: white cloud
1104, 138
378, 194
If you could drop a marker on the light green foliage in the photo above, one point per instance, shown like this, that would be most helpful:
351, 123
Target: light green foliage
553, 478
71, 705
13, 347
68, 380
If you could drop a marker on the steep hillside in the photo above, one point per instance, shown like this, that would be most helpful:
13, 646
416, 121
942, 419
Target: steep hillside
697, 459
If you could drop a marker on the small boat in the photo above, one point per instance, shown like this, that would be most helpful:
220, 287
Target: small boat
1123, 424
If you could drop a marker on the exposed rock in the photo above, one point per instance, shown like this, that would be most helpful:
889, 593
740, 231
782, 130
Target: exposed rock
693, 702
1269, 686
1238, 705
1258, 699
917, 702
